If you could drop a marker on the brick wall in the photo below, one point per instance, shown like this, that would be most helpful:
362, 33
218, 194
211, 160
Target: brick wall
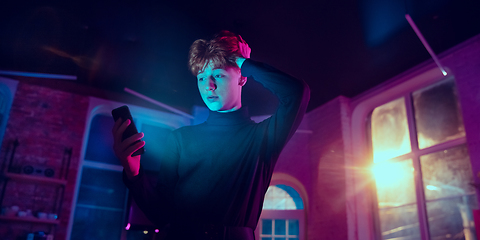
45, 122
294, 159
327, 214
464, 63
316, 159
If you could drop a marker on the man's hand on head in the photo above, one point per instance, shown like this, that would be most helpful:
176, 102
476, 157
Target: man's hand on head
244, 50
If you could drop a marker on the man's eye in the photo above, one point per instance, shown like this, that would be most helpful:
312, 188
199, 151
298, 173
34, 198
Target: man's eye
200, 79
218, 76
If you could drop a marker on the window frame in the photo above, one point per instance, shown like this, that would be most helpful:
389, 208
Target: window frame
99, 106
284, 214
301, 215
8, 88
414, 155
360, 215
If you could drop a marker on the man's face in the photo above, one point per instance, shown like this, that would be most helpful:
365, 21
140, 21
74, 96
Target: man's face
221, 88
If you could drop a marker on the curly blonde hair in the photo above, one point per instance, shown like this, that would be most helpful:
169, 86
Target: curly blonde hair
222, 51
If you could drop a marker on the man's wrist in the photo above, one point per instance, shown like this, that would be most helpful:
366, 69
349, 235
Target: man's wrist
240, 61
131, 174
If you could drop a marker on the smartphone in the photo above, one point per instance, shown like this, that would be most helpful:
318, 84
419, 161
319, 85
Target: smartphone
124, 113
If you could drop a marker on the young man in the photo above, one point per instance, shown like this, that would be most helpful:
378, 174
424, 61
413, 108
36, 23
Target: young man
214, 175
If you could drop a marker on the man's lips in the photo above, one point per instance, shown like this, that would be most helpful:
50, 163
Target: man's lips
212, 98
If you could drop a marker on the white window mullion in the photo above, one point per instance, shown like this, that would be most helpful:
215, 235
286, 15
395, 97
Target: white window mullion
421, 205
286, 229
442, 146
99, 165
412, 129
273, 229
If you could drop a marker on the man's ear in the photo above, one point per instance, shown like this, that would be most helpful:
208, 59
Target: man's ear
242, 81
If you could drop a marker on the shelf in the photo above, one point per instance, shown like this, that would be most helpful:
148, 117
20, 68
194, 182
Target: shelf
30, 220
35, 179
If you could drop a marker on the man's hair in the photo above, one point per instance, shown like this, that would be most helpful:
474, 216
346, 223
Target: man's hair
222, 51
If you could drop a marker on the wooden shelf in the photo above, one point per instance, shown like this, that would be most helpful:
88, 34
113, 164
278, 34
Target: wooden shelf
30, 220
35, 179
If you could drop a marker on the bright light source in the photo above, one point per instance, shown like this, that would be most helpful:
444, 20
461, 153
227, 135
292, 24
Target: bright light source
145, 232
156, 230
127, 227
444, 72
390, 174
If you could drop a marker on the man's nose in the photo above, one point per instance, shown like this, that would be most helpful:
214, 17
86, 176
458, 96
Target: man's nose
211, 84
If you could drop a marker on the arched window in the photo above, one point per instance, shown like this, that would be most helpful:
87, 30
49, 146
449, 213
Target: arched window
101, 197
283, 215
282, 197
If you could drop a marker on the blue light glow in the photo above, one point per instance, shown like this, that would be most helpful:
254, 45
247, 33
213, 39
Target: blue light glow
382, 19
433, 188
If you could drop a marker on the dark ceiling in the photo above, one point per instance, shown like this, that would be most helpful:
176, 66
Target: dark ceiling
339, 47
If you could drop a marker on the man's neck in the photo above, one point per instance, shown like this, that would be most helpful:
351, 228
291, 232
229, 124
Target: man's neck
230, 110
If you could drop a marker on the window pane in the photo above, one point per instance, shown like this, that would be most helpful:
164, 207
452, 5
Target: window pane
395, 183
400, 223
437, 114
452, 218
267, 226
154, 138
279, 238
282, 197
266, 238
390, 137
96, 224
100, 140
447, 173
102, 188
280, 225
298, 202
292, 227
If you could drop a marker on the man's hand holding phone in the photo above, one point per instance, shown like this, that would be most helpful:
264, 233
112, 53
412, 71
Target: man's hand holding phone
128, 147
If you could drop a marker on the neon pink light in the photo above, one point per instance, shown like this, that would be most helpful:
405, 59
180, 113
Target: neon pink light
127, 227
156, 230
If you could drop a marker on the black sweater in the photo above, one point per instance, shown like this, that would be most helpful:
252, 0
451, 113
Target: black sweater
218, 172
